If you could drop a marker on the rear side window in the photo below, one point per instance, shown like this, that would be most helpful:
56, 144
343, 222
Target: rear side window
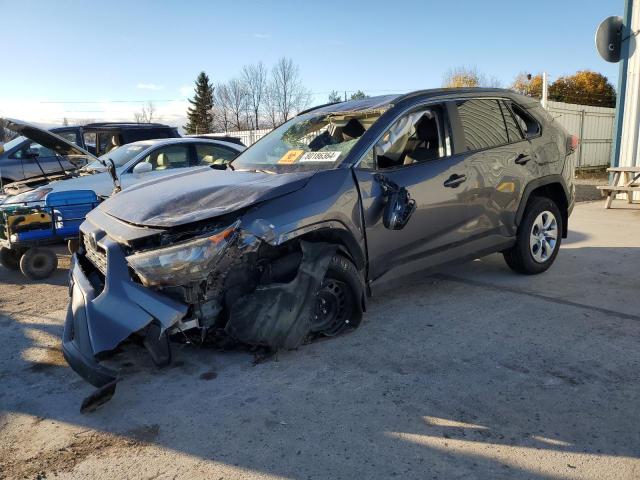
482, 123
515, 135
528, 124
213, 154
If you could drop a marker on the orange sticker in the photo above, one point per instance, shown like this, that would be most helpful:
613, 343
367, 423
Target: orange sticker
290, 157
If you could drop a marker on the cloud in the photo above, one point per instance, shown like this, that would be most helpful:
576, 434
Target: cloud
261, 35
149, 86
186, 90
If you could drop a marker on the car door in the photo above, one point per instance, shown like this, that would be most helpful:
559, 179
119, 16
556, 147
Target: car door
498, 158
212, 154
164, 160
439, 182
45, 162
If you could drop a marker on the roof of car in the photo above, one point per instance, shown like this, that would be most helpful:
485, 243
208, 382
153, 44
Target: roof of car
385, 101
127, 125
169, 141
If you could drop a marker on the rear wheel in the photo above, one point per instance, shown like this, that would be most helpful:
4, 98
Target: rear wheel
338, 301
38, 263
9, 258
539, 238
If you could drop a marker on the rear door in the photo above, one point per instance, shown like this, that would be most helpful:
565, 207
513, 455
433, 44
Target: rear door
212, 154
422, 161
497, 156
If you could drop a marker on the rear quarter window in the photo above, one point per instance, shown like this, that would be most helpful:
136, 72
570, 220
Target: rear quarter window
528, 123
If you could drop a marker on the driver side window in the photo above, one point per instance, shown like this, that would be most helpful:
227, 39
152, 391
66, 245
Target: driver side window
416, 137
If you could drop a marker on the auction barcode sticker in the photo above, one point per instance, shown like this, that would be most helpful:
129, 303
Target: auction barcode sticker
320, 157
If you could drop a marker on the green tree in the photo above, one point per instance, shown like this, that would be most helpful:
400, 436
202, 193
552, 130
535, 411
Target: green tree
200, 114
334, 97
584, 88
359, 95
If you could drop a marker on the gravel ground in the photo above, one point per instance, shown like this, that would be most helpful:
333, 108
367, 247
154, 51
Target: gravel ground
474, 373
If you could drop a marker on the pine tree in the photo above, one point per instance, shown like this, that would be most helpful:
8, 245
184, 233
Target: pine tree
200, 115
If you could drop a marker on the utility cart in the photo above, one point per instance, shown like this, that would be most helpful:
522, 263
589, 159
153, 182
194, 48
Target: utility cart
27, 229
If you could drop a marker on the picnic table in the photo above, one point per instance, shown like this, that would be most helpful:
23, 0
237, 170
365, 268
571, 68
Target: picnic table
630, 184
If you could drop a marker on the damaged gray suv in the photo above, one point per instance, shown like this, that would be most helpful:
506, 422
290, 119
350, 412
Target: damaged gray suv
288, 242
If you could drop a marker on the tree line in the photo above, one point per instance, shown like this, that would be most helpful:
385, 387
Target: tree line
257, 98
584, 87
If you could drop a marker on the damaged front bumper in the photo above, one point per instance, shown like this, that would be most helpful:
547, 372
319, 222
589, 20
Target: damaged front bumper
98, 321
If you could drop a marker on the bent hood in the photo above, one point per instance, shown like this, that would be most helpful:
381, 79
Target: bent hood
198, 195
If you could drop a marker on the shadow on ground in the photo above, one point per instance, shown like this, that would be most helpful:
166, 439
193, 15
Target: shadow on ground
448, 377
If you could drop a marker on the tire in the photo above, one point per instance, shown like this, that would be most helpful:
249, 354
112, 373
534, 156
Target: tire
9, 258
530, 255
38, 263
339, 299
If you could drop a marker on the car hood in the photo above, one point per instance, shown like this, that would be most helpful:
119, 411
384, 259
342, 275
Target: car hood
198, 195
47, 139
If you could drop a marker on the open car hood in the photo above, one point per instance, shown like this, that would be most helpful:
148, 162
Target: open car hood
48, 139
197, 195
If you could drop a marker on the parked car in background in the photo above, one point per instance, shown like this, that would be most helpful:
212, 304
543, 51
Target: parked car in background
22, 158
322, 212
133, 162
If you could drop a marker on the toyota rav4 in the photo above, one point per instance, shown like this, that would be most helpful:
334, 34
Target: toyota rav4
291, 239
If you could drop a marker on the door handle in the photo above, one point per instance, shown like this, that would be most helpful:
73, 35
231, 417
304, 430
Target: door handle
454, 180
522, 159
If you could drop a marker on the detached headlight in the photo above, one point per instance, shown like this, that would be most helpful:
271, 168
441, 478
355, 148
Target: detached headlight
184, 262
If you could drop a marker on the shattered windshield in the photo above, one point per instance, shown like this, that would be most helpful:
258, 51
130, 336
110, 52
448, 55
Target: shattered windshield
308, 142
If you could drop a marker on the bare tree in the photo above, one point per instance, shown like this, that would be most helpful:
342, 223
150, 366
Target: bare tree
146, 115
334, 97
271, 106
287, 89
222, 107
255, 80
237, 102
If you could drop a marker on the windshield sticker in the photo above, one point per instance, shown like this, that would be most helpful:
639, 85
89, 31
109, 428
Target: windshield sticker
290, 157
320, 157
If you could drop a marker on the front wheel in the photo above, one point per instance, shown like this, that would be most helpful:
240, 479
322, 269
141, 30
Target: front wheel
538, 240
38, 263
339, 299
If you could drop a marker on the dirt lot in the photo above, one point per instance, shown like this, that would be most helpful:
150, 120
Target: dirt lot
474, 373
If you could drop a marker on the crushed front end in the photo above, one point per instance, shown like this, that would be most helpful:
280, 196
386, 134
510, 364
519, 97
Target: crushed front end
204, 281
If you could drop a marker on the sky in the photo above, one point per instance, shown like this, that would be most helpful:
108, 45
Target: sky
102, 61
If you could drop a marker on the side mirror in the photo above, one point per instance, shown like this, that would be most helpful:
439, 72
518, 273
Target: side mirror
399, 207
142, 167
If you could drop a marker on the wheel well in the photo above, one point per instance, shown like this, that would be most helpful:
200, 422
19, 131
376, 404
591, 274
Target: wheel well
555, 192
348, 245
